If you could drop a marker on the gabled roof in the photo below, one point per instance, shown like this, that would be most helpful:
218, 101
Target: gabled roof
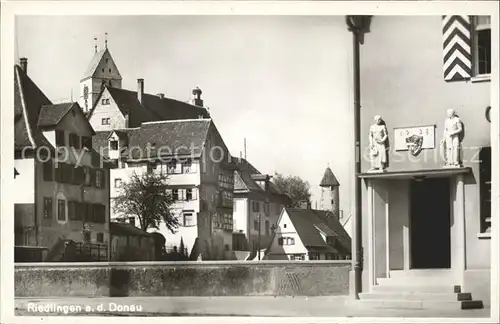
94, 63
152, 108
175, 137
28, 101
329, 179
309, 223
51, 115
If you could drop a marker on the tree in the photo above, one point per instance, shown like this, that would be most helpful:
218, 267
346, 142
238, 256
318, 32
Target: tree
147, 197
182, 251
293, 186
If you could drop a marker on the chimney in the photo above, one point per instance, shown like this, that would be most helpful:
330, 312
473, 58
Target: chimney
140, 89
161, 95
197, 101
24, 64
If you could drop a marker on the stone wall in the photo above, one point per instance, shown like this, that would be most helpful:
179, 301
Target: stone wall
220, 278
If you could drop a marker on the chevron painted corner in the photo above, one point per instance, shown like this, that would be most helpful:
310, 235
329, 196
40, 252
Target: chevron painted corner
457, 55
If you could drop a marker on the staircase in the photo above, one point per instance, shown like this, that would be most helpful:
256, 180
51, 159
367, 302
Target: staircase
418, 289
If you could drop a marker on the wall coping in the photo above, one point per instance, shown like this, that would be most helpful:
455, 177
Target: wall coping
198, 264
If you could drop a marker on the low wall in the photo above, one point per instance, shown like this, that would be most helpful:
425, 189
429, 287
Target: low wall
216, 278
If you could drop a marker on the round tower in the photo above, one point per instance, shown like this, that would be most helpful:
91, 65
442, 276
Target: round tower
330, 193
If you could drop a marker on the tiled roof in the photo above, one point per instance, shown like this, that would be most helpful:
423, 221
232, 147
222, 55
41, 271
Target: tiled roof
246, 177
28, 100
91, 68
51, 115
126, 229
152, 108
309, 223
94, 63
129, 105
175, 137
329, 179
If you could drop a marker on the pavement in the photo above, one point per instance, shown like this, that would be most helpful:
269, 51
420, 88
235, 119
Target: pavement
331, 306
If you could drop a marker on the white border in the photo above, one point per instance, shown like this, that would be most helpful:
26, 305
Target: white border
9, 9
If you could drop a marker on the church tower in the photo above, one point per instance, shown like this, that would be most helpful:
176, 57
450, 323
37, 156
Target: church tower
101, 71
330, 193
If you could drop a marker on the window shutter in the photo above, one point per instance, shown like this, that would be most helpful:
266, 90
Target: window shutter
92, 177
90, 213
457, 57
103, 178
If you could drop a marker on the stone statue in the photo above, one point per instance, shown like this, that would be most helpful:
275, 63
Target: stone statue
379, 145
452, 139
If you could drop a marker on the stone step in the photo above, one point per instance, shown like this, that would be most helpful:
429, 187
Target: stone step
420, 305
416, 296
413, 288
412, 281
421, 273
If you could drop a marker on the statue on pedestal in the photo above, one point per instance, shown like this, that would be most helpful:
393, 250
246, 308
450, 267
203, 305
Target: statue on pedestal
379, 145
451, 144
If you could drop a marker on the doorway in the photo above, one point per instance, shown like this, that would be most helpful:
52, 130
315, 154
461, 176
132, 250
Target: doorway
430, 222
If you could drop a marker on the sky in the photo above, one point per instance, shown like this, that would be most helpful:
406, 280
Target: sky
281, 82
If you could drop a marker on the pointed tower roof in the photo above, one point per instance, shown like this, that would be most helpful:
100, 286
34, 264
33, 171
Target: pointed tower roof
329, 179
95, 62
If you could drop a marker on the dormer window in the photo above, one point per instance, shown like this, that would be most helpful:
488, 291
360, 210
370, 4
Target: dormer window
113, 145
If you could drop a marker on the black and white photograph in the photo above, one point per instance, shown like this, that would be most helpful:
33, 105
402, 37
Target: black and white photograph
248, 161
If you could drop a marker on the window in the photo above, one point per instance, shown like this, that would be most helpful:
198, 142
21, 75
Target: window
105, 121
86, 236
48, 171
100, 237
485, 189
99, 178
256, 225
188, 219
284, 225
89, 215
113, 145
61, 210
286, 241
186, 166
226, 181
482, 45
118, 183
297, 257
175, 194
266, 208
47, 208
313, 256
87, 142
86, 174
173, 167
99, 214
105, 101
72, 210
80, 211
74, 141
267, 228
60, 138
131, 220
256, 206
189, 194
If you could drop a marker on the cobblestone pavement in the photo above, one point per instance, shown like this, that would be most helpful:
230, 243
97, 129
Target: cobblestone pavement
220, 306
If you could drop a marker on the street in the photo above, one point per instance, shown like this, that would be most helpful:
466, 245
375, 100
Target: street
332, 306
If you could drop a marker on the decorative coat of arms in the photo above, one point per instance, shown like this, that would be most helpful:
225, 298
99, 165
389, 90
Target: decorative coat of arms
414, 144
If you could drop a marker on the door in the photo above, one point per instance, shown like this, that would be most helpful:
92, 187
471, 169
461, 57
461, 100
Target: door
430, 215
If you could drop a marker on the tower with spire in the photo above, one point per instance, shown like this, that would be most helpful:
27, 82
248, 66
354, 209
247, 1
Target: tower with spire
330, 193
101, 71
